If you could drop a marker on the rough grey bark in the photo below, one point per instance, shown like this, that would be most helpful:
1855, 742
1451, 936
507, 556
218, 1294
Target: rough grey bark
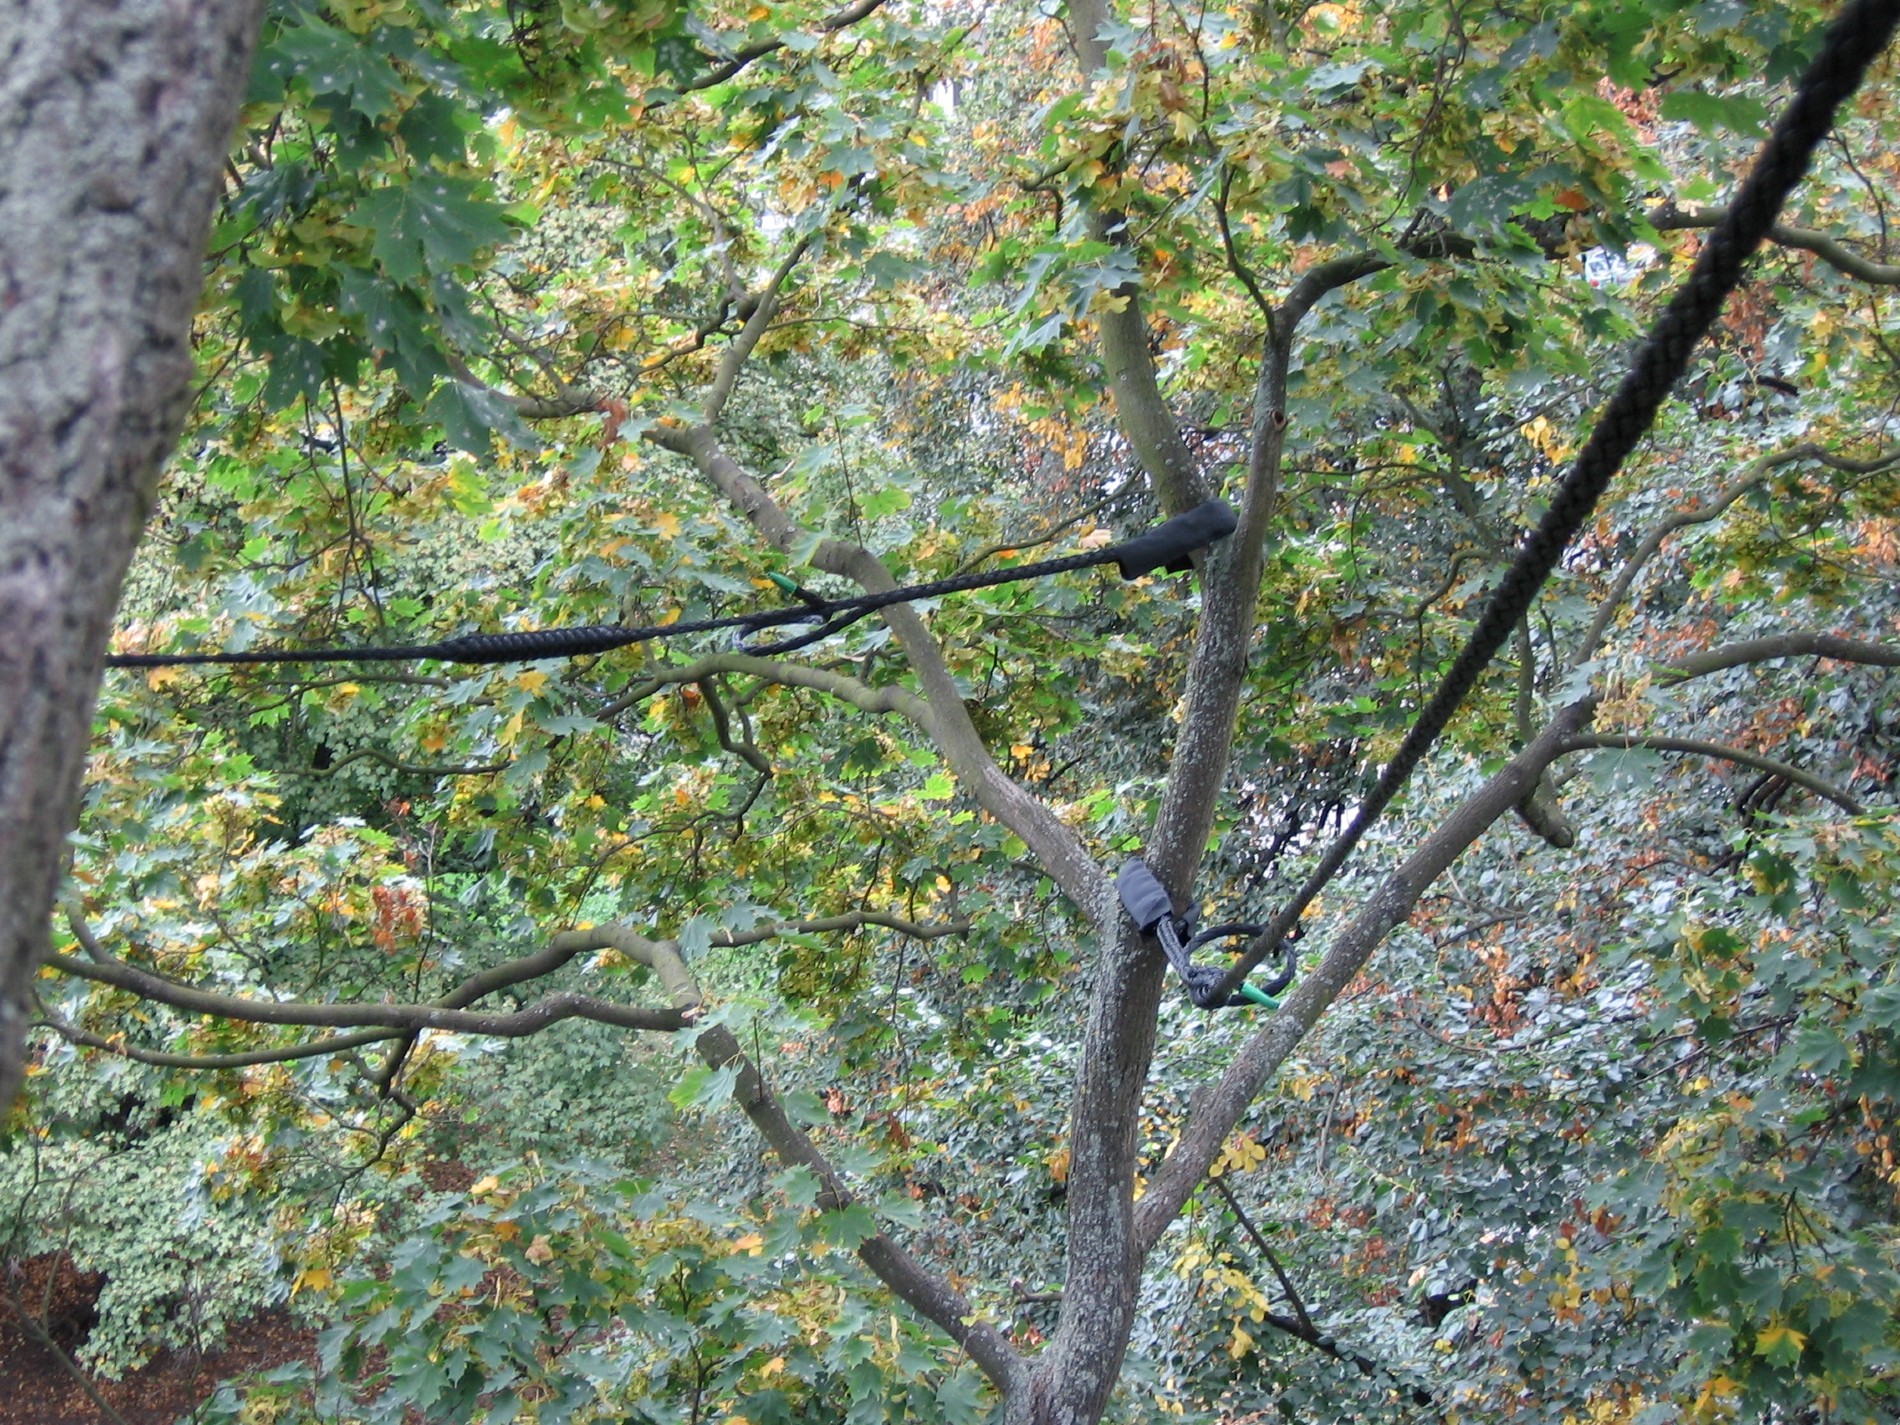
114, 115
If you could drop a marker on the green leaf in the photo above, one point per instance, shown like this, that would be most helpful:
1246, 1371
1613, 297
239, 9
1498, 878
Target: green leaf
1741, 113
704, 1088
468, 414
434, 226
432, 130
960, 1396
848, 1226
1780, 1345
887, 501
329, 61
397, 325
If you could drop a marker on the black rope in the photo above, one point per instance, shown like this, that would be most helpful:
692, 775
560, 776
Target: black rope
1167, 545
1853, 41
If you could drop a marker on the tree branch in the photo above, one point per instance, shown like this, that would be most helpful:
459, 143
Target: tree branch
1300, 1326
1695, 747
414, 769
569, 401
407, 1021
923, 1289
791, 675
747, 751
941, 711
1751, 477
1782, 645
165, 1059
1142, 411
759, 49
764, 308
1832, 251
502, 1024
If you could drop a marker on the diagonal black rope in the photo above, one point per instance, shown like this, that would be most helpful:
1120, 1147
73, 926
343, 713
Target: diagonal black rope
1167, 545
1856, 37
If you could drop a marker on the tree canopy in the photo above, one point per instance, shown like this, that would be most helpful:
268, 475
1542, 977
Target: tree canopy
702, 1031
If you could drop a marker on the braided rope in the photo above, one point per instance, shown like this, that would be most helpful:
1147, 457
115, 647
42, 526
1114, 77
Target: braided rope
1856, 37
479, 648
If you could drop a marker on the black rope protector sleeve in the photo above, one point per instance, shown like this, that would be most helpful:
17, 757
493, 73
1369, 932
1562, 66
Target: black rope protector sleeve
1152, 909
1169, 543
1856, 37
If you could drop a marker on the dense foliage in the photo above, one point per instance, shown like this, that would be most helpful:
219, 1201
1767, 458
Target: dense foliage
533, 314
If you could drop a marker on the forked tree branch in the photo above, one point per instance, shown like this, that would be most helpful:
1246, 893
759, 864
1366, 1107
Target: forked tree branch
449, 1013
923, 1289
763, 310
1751, 478
1220, 1107
940, 711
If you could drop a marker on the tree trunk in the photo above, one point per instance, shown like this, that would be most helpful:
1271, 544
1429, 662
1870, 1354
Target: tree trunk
114, 117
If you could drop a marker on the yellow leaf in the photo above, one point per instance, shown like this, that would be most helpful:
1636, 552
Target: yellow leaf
532, 680
312, 1279
751, 1244
539, 1252
1240, 1344
485, 1186
1772, 1337
772, 1367
668, 525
